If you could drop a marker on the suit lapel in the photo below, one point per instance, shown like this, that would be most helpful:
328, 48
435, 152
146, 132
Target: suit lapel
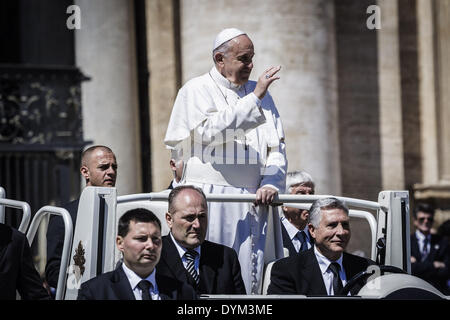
415, 247
121, 286
287, 242
434, 247
207, 273
313, 274
351, 269
171, 258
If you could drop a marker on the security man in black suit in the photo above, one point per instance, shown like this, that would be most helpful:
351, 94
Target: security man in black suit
430, 253
325, 268
99, 169
17, 271
139, 240
208, 267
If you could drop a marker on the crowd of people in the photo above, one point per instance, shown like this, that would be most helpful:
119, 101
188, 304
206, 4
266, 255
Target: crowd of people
225, 137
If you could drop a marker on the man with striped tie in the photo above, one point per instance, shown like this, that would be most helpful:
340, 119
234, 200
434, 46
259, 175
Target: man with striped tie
186, 256
325, 268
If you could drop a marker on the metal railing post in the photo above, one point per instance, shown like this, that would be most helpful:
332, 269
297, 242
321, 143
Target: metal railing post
25, 207
68, 236
2, 207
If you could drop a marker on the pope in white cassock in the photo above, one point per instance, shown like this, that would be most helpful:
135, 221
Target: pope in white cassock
229, 133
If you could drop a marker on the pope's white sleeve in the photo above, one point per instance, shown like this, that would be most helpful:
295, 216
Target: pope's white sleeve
222, 126
274, 174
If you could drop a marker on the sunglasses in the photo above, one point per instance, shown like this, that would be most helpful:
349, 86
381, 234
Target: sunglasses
421, 220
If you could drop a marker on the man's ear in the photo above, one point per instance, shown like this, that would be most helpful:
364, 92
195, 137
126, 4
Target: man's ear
169, 220
305, 215
172, 164
218, 58
85, 172
312, 230
119, 243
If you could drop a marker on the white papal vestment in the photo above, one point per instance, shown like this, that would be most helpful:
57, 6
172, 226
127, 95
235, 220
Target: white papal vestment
232, 143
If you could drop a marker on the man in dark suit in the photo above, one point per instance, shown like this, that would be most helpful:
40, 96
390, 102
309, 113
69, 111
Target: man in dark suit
17, 271
139, 240
325, 268
208, 267
99, 169
430, 254
294, 222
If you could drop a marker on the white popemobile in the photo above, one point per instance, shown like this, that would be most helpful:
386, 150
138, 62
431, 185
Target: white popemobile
90, 249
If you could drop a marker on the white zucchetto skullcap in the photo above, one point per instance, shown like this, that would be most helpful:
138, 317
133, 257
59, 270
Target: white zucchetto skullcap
226, 35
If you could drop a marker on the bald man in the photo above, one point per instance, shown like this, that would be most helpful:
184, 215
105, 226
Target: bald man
99, 169
210, 268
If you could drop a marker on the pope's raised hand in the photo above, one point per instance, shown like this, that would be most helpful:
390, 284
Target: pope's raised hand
265, 80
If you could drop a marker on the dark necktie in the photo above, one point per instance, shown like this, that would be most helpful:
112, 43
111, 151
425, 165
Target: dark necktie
425, 249
302, 237
190, 265
337, 282
145, 286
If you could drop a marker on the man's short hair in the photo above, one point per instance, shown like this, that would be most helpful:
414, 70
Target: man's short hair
423, 207
297, 177
87, 153
315, 213
176, 191
136, 215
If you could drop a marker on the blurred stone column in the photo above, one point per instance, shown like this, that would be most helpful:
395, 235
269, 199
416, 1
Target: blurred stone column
427, 91
434, 56
299, 36
392, 169
162, 17
105, 52
443, 77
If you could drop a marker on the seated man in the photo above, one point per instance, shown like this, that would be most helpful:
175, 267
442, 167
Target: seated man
294, 222
208, 267
139, 240
17, 271
325, 268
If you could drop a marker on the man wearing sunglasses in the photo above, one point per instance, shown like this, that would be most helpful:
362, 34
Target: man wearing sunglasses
430, 255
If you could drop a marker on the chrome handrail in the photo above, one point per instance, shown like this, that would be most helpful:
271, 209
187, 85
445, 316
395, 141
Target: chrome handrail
280, 199
68, 237
296, 201
24, 206
2, 208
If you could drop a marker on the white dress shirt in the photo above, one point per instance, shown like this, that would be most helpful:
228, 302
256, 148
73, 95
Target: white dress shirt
327, 275
134, 280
